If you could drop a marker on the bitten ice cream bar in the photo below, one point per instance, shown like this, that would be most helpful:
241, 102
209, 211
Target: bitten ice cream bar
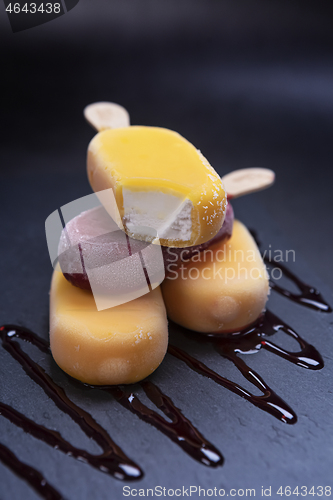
160, 180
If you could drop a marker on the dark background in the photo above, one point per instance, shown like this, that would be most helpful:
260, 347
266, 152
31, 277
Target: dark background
250, 83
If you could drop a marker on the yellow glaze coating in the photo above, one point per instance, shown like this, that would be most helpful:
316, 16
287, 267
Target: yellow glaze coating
223, 292
144, 159
121, 345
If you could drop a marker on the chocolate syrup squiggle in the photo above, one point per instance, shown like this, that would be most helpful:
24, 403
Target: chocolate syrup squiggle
247, 341
180, 430
35, 478
309, 296
112, 461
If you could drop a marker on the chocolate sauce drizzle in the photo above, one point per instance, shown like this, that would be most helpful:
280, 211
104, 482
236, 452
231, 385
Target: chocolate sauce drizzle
180, 430
35, 478
113, 460
309, 296
250, 341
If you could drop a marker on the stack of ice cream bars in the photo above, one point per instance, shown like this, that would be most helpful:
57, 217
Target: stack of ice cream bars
161, 242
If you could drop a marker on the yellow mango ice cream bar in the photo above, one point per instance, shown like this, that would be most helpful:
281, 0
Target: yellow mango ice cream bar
163, 186
120, 345
222, 291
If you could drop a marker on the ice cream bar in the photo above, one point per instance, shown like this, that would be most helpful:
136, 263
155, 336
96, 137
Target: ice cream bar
160, 181
120, 345
93, 237
223, 290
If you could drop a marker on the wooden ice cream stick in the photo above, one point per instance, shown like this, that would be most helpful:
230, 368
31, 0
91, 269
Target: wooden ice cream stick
247, 180
106, 115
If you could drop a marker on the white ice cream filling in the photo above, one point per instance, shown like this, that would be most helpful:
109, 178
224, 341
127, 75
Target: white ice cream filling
148, 214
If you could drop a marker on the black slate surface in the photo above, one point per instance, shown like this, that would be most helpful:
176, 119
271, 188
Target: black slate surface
256, 93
